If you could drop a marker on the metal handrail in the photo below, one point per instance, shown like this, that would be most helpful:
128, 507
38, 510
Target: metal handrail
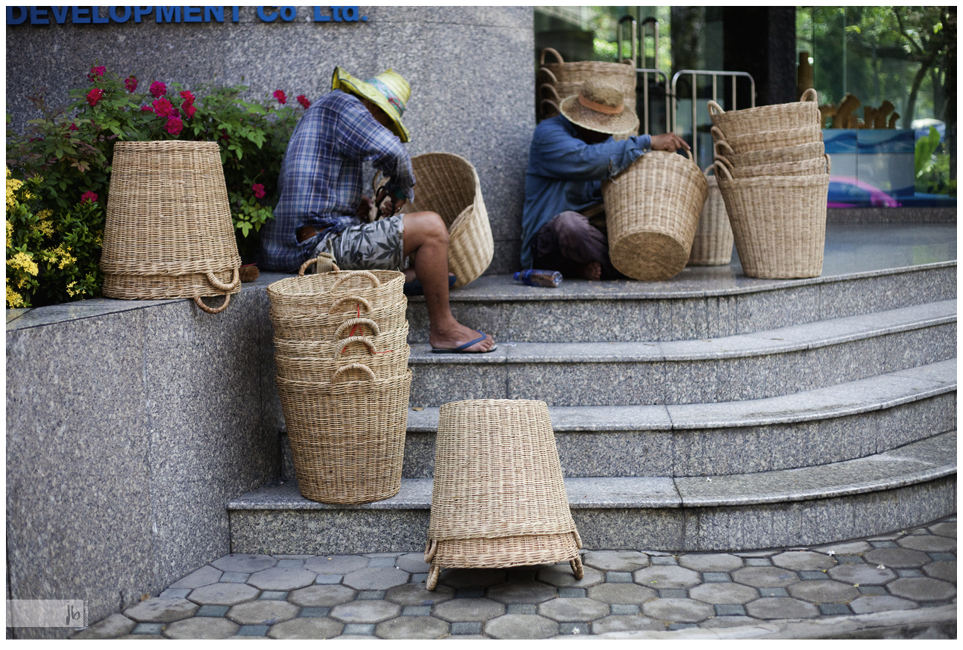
715, 74
645, 95
651, 20
618, 36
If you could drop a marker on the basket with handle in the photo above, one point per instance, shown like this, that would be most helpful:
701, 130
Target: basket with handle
766, 140
712, 243
168, 230
311, 324
351, 328
449, 185
775, 117
295, 295
795, 153
385, 363
652, 210
811, 167
498, 498
347, 435
568, 77
778, 222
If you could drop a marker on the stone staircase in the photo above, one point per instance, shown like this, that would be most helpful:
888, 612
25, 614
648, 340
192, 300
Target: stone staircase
709, 412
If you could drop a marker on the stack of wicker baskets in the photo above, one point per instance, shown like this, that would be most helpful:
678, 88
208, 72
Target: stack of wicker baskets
774, 177
340, 346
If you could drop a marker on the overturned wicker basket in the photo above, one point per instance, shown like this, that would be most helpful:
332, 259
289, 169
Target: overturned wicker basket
712, 243
498, 498
168, 232
652, 211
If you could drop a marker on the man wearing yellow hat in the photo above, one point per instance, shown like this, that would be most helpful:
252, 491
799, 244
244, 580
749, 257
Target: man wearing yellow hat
321, 199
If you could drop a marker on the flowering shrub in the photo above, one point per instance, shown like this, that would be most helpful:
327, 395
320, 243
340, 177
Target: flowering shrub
64, 160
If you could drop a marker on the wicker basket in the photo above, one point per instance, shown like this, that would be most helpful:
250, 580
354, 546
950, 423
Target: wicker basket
569, 77
776, 117
297, 295
712, 244
168, 232
498, 498
767, 140
312, 324
385, 354
779, 223
652, 210
796, 153
347, 437
811, 167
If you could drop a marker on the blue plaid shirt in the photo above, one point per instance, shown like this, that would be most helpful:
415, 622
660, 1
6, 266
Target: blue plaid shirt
321, 177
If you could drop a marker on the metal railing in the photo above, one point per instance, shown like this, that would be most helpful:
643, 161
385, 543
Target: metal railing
715, 74
638, 58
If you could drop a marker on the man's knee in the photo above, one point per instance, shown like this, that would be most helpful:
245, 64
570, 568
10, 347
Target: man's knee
570, 222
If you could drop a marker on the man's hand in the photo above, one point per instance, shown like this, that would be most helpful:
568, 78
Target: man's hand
668, 142
364, 210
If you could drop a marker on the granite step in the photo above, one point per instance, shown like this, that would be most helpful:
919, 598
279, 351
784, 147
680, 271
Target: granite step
762, 364
814, 427
902, 487
700, 302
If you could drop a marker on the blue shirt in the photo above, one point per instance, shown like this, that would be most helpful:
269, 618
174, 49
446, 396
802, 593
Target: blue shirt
564, 173
321, 176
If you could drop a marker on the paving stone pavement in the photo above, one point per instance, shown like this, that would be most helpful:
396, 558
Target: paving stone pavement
382, 595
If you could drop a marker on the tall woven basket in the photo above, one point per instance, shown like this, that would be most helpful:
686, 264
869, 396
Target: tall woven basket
652, 210
498, 498
169, 232
779, 222
712, 244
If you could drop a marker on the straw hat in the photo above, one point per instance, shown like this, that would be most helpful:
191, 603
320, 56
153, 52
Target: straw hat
389, 90
599, 107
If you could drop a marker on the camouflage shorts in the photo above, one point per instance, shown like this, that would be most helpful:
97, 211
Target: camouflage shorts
377, 245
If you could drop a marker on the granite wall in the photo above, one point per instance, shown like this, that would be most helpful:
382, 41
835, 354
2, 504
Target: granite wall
130, 425
470, 69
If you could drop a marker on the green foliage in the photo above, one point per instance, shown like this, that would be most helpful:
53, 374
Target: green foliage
933, 168
925, 148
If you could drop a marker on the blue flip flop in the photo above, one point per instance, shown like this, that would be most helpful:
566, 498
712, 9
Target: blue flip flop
463, 348
414, 287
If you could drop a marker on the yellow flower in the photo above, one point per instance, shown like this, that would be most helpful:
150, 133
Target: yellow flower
14, 299
71, 292
66, 259
9, 232
23, 261
45, 228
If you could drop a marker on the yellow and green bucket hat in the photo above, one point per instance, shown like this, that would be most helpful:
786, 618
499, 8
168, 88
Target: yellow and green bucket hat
389, 90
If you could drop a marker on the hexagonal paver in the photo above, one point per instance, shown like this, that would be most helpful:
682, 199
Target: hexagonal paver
872, 604
721, 622
244, 563
666, 577
376, 578
713, 562
206, 575
113, 626
861, 574
928, 543
412, 563
765, 576
416, 593
471, 578
161, 610
223, 593
678, 610
469, 609
521, 626
942, 570
626, 623
281, 579
262, 612
823, 591
412, 627
944, 528
573, 609
621, 593
365, 611
560, 575
723, 593
306, 628
775, 608
846, 548
522, 592
897, 558
321, 596
615, 560
335, 564
201, 628
803, 561
921, 589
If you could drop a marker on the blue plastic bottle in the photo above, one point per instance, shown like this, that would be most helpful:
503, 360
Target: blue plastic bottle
539, 278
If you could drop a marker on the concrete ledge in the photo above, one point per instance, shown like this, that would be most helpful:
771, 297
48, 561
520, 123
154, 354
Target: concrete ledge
902, 215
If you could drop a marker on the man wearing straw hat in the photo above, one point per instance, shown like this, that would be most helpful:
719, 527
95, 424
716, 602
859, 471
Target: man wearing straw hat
321, 199
570, 156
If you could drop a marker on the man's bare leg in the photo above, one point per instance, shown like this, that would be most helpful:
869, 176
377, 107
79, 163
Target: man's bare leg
425, 235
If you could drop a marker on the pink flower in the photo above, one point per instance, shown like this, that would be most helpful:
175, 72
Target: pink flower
158, 88
131, 83
73, 127
188, 96
174, 126
188, 109
280, 96
94, 96
162, 107
97, 71
88, 197
258, 190
146, 109
304, 101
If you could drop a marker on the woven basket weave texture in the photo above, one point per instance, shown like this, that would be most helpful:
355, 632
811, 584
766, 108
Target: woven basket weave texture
794, 153
568, 77
766, 140
317, 293
713, 240
652, 210
774, 117
168, 227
